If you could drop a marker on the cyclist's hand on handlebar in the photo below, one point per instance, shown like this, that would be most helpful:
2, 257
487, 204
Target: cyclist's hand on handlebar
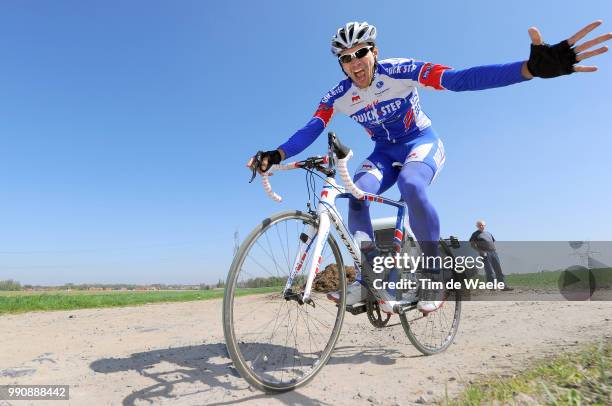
262, 161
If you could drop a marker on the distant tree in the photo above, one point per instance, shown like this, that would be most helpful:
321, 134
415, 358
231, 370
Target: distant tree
10, 284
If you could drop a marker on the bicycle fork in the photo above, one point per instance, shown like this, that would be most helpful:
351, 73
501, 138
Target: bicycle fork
311, 242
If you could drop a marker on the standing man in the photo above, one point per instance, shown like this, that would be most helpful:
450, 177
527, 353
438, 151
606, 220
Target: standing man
484, 242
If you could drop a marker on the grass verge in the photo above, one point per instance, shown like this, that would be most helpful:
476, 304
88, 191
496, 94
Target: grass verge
577, 378
550, 279
11, 303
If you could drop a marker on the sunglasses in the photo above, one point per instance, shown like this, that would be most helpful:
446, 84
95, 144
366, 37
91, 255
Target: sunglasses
358, 54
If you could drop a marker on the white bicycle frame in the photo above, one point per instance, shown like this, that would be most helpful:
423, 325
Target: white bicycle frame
326, 215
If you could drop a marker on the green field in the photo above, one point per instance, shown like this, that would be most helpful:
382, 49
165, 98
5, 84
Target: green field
26, 301
19, 302
577, 378
550, 279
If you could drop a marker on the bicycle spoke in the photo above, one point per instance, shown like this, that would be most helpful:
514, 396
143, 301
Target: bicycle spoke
276, 265
263, 267
282, 246
435, 331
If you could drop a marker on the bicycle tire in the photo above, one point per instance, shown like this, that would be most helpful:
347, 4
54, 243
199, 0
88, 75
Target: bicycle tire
436, 321
433, 346
266, 380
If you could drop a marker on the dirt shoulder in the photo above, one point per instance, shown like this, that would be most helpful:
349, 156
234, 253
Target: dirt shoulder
174, 353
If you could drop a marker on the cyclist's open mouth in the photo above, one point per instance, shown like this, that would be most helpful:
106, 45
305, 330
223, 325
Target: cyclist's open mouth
360, 75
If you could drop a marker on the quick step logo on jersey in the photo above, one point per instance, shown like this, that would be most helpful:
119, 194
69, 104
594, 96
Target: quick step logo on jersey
401, 69
390, 108
332, 93
376, 110
363, 117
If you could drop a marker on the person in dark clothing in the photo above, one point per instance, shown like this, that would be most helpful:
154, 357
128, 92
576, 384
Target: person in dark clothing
484, 242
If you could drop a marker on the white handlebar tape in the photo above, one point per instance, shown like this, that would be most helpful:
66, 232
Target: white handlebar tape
284, 167
268, 188
265, 179
346, 178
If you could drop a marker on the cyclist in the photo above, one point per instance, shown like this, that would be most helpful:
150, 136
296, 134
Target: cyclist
382, 96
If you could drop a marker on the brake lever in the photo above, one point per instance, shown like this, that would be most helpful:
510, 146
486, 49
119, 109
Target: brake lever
256, 164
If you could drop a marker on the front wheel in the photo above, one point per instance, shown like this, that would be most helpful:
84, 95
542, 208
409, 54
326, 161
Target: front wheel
278, 342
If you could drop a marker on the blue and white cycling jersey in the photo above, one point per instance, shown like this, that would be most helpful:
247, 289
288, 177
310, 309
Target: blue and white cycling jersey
389, 108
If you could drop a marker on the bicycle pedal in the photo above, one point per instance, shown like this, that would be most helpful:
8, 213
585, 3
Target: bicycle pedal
357, 308
403, 306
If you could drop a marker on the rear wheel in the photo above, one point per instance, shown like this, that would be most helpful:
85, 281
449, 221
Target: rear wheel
277, 342
433, 332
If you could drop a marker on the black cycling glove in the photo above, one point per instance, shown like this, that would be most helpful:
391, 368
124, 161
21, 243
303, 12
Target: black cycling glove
274, 157
549, 61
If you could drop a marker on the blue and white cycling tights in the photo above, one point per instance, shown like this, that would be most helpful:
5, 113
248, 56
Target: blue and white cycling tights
422, 159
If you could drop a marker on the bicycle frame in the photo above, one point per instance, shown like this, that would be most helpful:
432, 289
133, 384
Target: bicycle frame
327, 214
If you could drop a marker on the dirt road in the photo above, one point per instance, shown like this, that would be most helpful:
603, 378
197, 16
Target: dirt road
175, 354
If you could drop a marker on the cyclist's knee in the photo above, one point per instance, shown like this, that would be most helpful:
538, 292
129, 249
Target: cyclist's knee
413, 180
369, 184
411, 188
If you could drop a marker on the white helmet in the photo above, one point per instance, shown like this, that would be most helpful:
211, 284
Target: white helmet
352, 34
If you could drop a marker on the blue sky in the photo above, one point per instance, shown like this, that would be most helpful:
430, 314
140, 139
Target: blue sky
125, 127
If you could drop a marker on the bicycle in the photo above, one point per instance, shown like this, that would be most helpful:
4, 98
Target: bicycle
297, 326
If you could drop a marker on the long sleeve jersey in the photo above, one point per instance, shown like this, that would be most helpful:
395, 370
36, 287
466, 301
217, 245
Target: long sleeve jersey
389, 108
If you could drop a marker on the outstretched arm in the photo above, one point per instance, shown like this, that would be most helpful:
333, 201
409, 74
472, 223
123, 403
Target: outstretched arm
545, 61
